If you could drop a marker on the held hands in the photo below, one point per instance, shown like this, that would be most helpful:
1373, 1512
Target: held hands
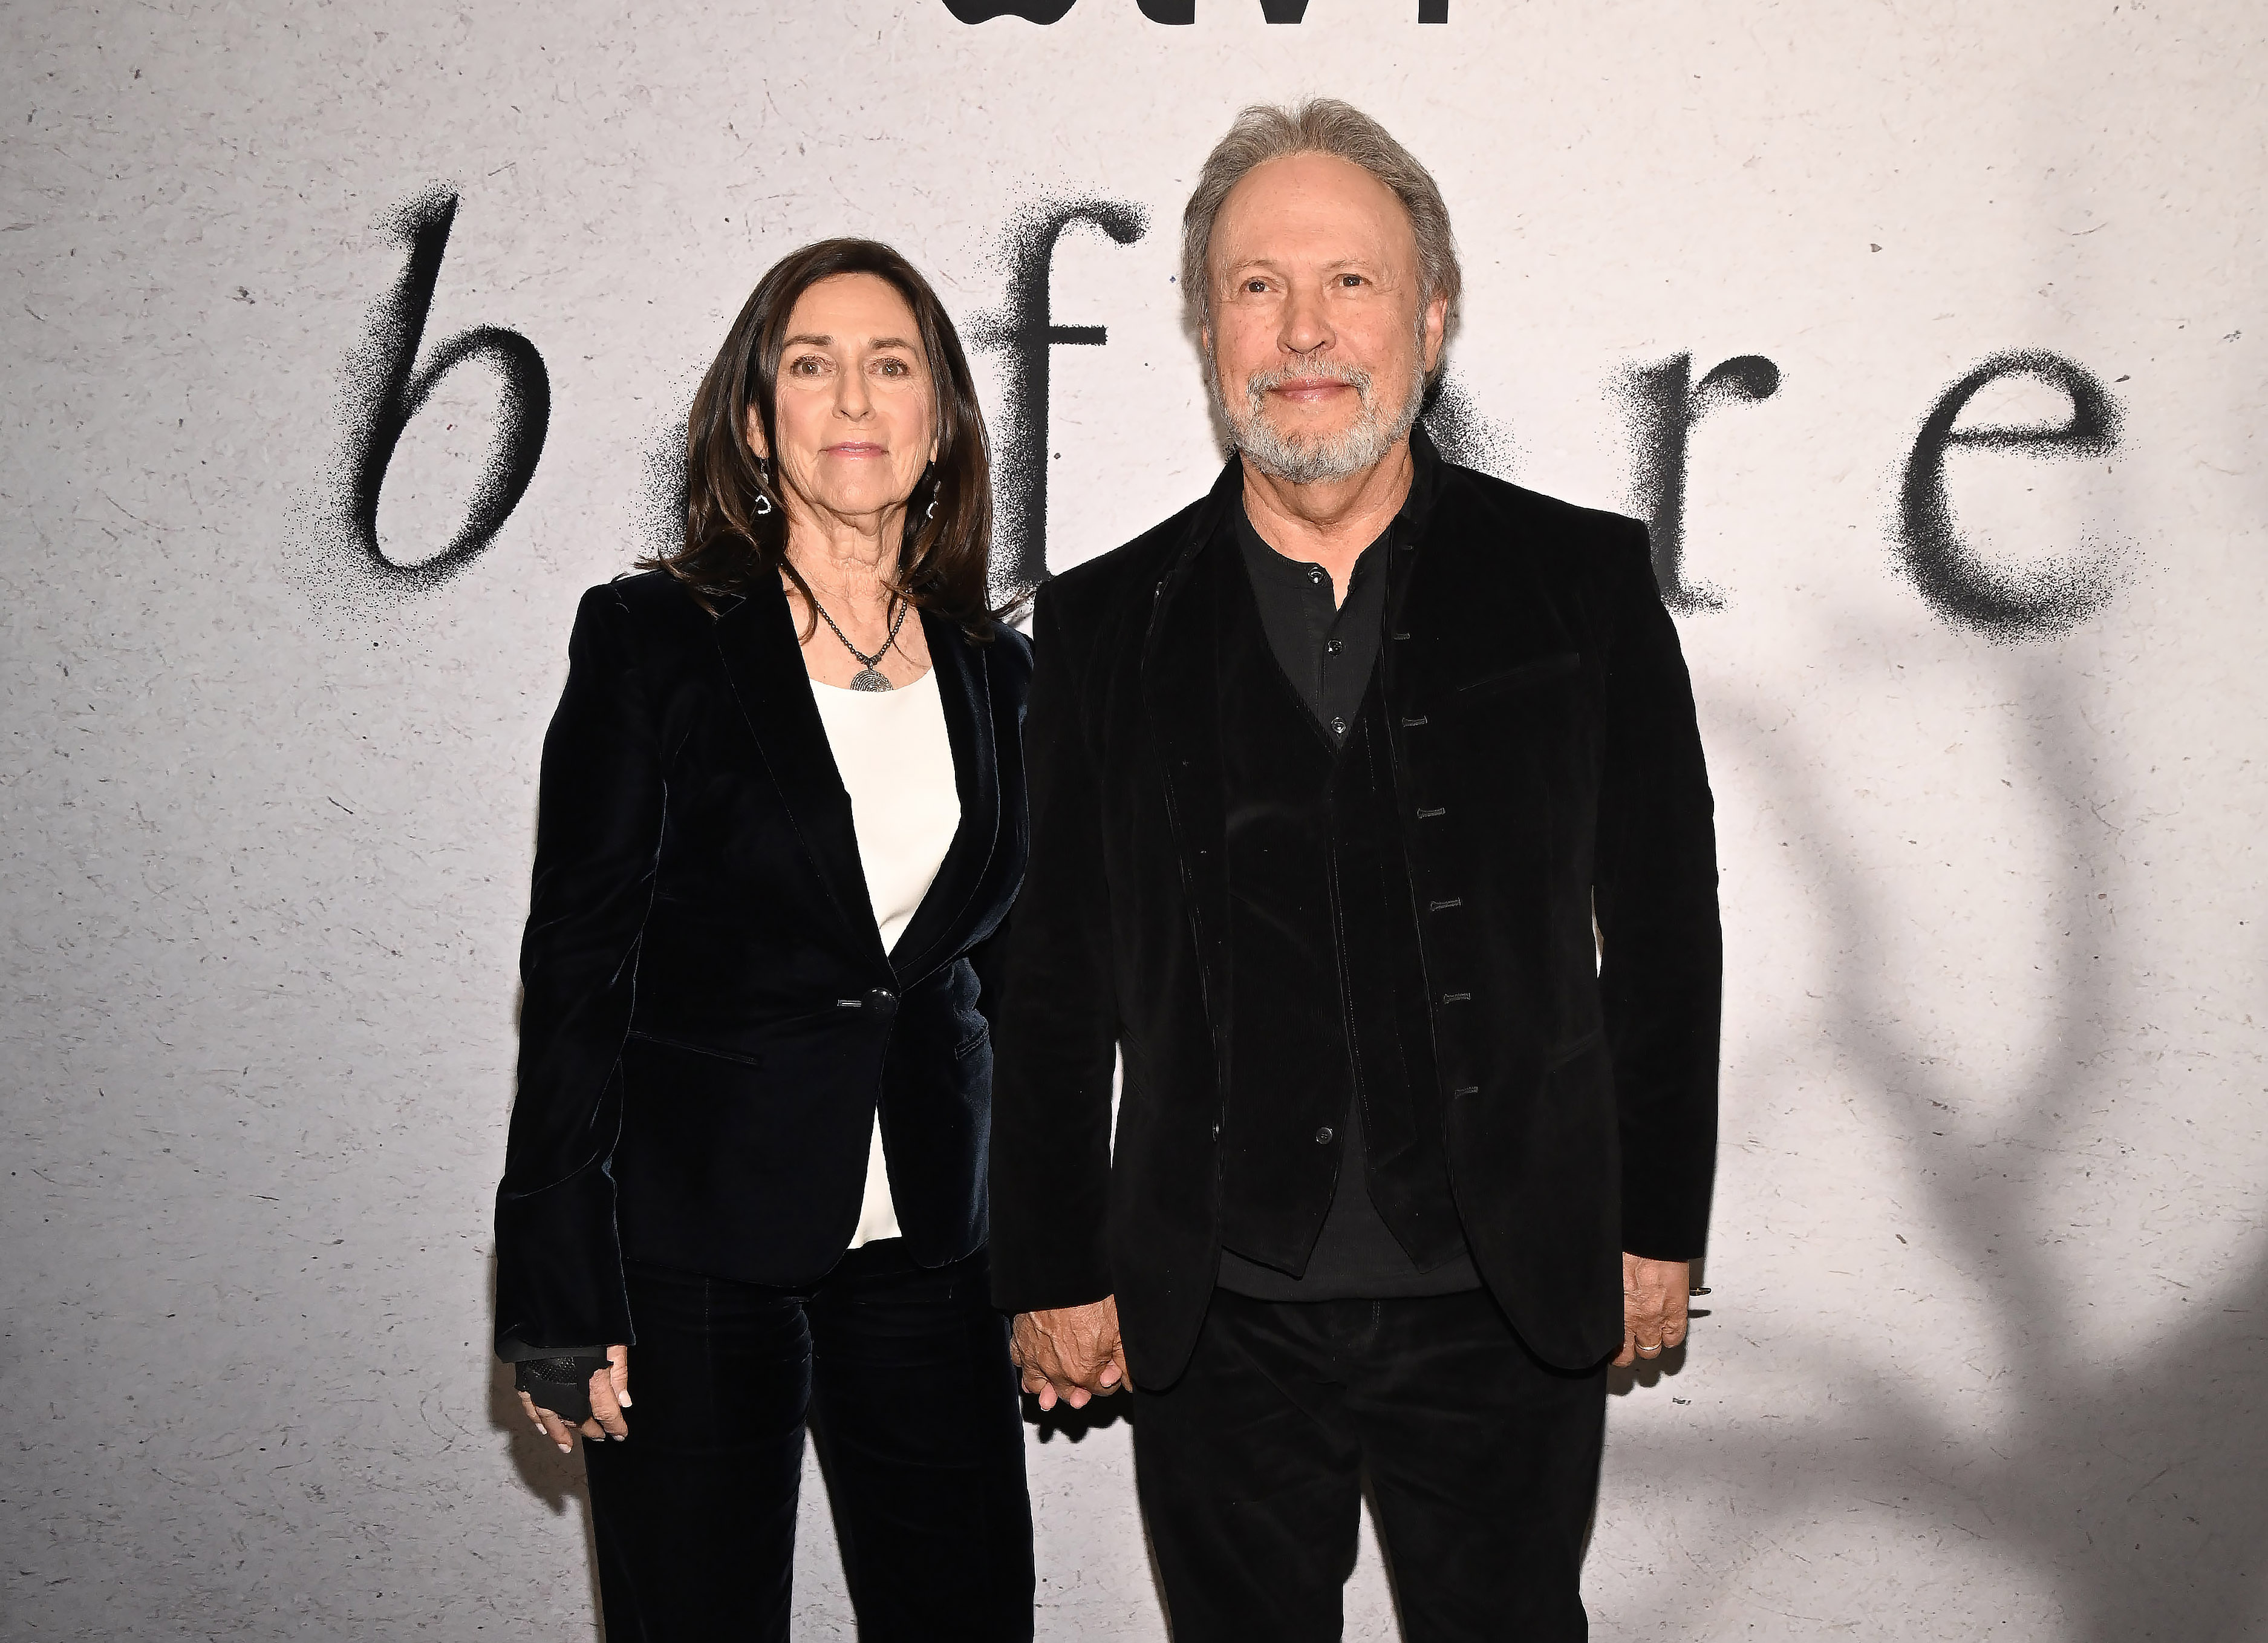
610, 1395
1653, 1307
1071, 1353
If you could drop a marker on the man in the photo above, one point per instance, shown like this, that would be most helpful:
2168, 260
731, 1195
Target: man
1371, 831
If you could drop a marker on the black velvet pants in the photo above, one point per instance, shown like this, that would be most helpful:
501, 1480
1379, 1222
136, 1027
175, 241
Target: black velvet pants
1483, 1461
904, 1378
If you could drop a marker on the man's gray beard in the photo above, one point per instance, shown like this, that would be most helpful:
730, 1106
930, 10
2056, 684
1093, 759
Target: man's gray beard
1299, 461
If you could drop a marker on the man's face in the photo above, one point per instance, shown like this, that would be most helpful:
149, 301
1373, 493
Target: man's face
1320, 339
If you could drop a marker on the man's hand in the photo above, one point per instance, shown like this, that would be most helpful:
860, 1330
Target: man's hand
610, 1395
1071, 1352
1654, 1306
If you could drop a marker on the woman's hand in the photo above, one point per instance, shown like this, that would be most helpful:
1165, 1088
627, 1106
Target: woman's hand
610, 1395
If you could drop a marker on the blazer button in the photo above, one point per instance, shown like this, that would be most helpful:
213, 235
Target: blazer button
1324, 1135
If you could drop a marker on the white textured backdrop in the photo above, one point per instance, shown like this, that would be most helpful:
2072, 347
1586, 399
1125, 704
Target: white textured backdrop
1990, 1265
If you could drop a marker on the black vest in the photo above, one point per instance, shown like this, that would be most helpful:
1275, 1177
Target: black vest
1327, 996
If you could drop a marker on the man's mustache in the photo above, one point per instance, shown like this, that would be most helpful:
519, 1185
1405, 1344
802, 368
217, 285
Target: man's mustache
1306, 369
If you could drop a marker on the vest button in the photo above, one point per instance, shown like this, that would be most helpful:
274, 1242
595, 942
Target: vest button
1324, 1135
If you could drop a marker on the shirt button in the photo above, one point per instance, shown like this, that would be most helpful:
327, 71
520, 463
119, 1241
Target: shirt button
1315, 575
1332, 647
1339, 724
1324, 1135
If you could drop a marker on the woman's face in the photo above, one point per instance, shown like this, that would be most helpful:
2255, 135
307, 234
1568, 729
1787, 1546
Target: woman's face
855, 405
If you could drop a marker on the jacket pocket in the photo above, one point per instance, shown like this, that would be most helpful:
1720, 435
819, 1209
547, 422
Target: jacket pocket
1537, 671
1559, 1056
738, 1057
971, 1044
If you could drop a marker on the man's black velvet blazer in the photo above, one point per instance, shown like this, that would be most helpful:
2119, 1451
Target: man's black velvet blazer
709, 1021
1548, 769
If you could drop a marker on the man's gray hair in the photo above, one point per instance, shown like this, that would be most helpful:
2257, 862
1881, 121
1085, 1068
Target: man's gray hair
1322, 125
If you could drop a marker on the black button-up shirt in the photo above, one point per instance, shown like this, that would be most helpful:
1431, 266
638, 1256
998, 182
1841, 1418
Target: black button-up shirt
1327, 649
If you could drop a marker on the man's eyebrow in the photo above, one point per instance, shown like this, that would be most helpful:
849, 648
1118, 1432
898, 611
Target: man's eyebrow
1267, 259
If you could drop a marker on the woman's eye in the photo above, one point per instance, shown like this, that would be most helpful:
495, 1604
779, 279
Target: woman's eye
806, 367
894, 368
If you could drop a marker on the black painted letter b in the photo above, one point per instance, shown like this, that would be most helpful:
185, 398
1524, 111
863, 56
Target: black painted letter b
393, 388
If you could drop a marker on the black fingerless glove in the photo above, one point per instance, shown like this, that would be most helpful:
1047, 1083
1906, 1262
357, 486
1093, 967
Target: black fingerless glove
561, 1385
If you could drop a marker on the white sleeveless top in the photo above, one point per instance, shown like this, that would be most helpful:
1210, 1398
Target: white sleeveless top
895, 760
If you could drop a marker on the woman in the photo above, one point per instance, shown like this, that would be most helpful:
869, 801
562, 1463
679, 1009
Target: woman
783, 816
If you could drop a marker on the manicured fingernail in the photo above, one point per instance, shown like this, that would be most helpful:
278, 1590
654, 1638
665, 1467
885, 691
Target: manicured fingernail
566, 1449
624, 1400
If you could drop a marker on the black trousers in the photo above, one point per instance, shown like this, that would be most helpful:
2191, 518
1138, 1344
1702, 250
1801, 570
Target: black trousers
1483, 1461
904, 1377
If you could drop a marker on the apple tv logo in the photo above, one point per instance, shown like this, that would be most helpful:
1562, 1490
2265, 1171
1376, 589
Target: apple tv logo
1169, 12
1030, 11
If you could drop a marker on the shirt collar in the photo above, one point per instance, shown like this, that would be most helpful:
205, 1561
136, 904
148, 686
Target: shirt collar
1408, 520
1282, 570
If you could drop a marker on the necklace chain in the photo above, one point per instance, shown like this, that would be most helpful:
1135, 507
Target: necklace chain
864, 660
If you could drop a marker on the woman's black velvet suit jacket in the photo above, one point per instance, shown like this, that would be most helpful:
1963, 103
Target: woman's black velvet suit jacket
709, 1021
1546, 765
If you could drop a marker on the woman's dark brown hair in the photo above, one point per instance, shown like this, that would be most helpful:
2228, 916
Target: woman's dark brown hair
735, 522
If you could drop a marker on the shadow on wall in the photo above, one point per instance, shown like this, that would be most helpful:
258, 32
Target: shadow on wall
2134, 1489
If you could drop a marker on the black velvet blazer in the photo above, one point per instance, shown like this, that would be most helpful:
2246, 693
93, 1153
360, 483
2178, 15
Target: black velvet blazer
1547, 766
709, 1021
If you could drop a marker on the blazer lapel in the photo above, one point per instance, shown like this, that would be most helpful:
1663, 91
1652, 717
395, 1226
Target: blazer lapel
1181, 685
757, 642
1465, 610
963, 690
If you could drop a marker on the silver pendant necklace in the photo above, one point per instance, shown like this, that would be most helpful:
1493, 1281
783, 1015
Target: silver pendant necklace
868, 677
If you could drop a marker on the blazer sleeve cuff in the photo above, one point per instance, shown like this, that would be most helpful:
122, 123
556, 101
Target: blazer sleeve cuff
1666, 1237
559, 1267
1014, 1292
